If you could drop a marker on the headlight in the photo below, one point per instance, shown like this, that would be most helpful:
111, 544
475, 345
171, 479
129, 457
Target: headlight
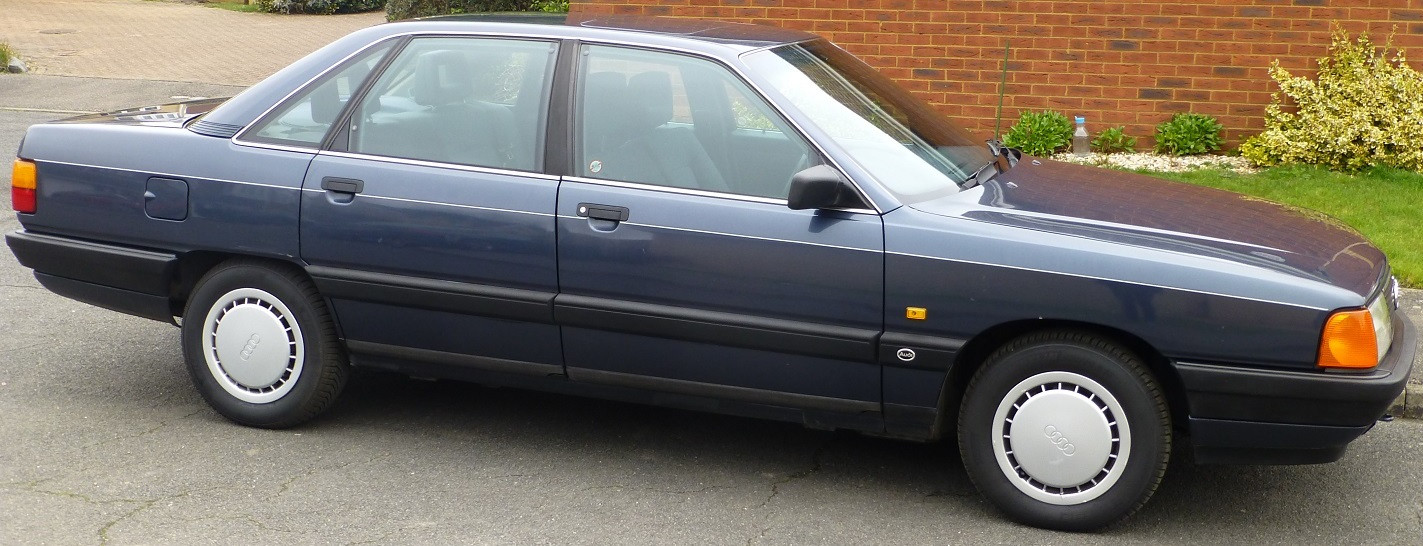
1382, 311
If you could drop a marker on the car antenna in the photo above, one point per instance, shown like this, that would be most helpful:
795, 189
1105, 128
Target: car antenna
1002, 83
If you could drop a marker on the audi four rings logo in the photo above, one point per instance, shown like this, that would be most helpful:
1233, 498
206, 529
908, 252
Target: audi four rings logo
1057, 439
905, 354
251, 346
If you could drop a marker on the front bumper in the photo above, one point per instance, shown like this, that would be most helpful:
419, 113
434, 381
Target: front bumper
1252, 416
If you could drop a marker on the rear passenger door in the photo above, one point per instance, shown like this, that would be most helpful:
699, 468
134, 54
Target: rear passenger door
681, 267
427, 220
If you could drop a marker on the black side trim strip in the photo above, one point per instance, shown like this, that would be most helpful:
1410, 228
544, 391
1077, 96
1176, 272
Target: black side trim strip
114, 299
929, 352
732, 329
130, 269
911, 422
453, 359
456, 297
723, 392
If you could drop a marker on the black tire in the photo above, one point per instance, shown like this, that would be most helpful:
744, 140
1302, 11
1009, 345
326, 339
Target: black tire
260, 344
1031, 391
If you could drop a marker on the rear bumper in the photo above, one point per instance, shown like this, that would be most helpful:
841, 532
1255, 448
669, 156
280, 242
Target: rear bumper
1253, 416
127, 280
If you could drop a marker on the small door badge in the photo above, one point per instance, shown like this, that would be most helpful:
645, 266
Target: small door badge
595, 166
906, 354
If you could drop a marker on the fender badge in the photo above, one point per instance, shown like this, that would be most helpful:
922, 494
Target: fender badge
906, 354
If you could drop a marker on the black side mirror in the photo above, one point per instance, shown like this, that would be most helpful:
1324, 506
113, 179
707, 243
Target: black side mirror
820, 187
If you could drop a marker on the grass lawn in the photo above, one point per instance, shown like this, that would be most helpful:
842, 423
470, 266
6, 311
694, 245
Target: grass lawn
1385, 204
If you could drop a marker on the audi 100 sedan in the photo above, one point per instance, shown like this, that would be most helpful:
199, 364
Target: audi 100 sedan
715, 216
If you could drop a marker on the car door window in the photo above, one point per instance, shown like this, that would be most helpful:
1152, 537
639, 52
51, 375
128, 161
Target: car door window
468, 101
680, 121
306, 120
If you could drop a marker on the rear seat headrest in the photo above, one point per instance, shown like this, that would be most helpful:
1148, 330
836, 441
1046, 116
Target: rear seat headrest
649, 96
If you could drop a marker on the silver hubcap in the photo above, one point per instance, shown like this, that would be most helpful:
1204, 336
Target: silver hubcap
253, 345
1061, 438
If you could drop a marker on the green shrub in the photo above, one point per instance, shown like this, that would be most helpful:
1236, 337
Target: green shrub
396, 10
1188, 134
5, 54
1363, 109
1113, 140
323, 7
1040, 133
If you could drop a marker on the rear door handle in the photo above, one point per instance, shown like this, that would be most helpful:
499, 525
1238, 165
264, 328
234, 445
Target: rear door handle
342, 185
603, 212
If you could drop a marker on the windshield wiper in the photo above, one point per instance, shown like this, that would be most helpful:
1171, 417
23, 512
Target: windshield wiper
998, 150
974, 180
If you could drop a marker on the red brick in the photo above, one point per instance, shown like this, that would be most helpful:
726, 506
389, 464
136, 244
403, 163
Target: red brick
1084, 57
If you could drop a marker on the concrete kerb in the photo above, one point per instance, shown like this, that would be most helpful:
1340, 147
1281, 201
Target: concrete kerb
1410, 401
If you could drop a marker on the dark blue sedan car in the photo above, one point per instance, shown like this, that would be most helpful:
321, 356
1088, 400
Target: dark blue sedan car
714, 216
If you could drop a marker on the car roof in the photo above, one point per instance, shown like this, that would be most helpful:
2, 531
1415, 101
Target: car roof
717, 39
701, 30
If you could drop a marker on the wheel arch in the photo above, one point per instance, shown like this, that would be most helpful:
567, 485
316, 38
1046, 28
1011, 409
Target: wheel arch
192, 266
976, 351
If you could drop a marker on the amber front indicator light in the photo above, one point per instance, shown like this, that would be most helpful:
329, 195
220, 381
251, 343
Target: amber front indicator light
1349, 341
22, 186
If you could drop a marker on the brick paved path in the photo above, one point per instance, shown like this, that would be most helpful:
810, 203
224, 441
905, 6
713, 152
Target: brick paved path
139, 39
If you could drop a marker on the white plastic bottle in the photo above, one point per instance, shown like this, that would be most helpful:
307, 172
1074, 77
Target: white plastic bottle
1081, 144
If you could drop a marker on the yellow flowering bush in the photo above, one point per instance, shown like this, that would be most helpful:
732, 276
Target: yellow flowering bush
1363, 109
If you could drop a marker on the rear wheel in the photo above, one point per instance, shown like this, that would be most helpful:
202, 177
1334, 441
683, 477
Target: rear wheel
260, 344
1065, 430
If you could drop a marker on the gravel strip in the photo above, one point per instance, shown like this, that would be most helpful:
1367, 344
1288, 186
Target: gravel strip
1160, 163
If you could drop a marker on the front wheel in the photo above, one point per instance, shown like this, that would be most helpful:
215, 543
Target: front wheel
1065, 430
260, 345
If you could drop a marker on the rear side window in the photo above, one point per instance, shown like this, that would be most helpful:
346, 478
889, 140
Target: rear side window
467, 101
305, 121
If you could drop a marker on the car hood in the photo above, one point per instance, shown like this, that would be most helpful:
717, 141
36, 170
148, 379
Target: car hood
1150, 212
164, 115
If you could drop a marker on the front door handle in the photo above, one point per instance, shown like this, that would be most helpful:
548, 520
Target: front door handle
603, 212
342, 185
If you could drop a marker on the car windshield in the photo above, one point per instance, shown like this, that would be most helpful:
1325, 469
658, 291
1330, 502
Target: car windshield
912, 150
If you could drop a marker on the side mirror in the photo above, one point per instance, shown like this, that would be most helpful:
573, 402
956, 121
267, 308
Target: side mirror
820, 187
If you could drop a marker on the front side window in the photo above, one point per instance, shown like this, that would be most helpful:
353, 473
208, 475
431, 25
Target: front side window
468, 101
305, 121
673, 120
913, 151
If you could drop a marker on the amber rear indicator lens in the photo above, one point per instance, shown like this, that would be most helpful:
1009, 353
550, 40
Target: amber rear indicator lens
1349, 341
22, 186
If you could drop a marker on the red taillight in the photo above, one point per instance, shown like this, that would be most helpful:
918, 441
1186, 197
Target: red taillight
22, 186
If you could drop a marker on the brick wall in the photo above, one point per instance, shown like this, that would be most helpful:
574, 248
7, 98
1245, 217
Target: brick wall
1130, 63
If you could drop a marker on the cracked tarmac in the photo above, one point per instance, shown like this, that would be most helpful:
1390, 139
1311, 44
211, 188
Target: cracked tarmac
104, 441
